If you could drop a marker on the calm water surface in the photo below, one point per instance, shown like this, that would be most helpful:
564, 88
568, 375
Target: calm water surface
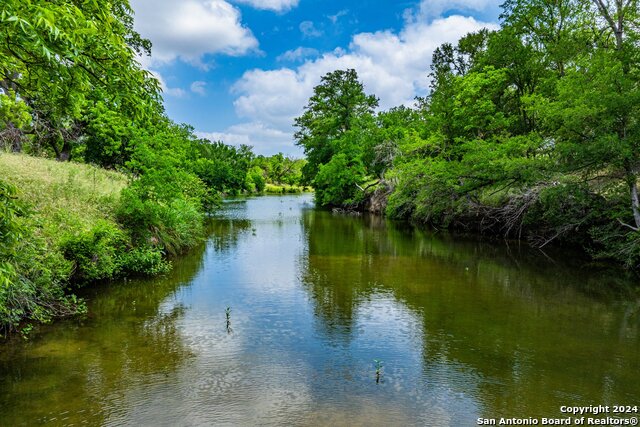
463, 330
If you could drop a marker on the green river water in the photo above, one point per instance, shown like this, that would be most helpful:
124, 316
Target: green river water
462, 329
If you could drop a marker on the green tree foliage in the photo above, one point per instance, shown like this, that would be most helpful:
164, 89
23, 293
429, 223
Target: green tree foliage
338, 120
221, 167
529, 131
58, 55
280, 169
14, 119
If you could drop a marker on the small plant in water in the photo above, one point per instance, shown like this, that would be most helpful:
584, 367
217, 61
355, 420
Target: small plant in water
378, 369
227, 314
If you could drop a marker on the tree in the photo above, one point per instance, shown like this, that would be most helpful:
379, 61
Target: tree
336, 120
57, 55
222, 167
594, 118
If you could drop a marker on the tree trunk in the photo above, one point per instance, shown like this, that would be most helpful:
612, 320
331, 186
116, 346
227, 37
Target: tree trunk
64, 154
635, 200
53, 143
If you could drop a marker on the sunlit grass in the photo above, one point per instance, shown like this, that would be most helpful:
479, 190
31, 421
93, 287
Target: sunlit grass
284, 189
63, 196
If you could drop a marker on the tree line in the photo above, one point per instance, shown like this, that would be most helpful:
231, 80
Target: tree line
530, 131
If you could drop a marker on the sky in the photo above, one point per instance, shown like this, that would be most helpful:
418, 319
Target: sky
241, 71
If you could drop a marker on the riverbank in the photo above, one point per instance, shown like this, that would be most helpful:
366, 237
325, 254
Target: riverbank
61, 231
66, 225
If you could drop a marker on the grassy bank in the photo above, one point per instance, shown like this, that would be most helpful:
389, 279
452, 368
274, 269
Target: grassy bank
284, 189
61, 228
62, 196
64, 225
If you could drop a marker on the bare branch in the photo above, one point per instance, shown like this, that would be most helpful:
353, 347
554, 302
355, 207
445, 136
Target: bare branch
627, 225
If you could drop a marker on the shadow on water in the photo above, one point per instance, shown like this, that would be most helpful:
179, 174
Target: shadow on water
76, 371
526, 332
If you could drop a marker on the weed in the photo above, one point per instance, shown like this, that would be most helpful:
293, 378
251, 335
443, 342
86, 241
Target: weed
378, 366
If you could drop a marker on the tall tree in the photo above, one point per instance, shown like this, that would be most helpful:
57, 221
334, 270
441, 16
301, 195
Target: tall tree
595, 118
334, 127
338, 105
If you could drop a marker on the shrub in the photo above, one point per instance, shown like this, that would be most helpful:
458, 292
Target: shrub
164, 213
95, 254
31, 275
144, 260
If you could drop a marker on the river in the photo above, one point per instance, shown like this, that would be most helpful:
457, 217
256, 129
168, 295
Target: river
294, 316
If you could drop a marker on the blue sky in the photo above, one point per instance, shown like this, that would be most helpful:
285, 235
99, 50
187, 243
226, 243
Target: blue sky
240, 71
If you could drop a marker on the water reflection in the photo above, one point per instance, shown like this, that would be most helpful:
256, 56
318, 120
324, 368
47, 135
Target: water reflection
76, 371
463, 329
227, 228
521, 333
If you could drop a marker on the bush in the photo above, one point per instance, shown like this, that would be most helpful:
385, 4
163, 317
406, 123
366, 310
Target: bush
336, 182
144, 260
31, 275
255, 181
165, 214
95, 253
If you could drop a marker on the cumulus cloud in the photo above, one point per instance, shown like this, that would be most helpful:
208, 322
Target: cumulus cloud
199, 87
308, 29
189, 29
170, 91
275, 5
393, 66
298, 54
274, 97
429, 9
264, 139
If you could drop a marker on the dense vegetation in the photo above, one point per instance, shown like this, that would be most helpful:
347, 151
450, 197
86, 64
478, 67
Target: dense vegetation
71, 88
531, 131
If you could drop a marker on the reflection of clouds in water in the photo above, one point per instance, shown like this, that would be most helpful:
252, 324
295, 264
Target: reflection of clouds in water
444, 392
223, 385
266, 248
314, 299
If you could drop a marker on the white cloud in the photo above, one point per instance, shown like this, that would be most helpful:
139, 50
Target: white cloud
189, 29
334, 18
275, 5
199, 87
308, 29
429, 9
393, 66
170, 91
298, 54
274, 97
265, 140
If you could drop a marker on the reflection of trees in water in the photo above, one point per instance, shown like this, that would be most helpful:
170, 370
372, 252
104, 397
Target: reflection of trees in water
226, 227
507, 316
333, 272
130, 338
225, 232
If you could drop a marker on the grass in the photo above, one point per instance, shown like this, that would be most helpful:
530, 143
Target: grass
74, 225
63, 197
284, 189
61, 206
